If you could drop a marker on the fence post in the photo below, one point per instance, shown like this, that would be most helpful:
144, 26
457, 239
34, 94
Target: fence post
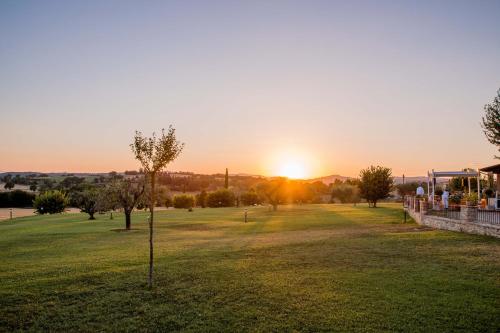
468, 213
423, 207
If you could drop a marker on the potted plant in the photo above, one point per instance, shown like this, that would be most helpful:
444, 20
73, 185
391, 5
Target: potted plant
471, 199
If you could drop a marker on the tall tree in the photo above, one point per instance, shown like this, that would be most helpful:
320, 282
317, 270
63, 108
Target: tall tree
226, 180
491, 121
154, 154
375, 184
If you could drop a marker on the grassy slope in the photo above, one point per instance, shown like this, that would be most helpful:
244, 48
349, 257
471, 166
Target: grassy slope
305, 268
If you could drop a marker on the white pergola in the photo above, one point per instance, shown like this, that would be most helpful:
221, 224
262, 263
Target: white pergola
468, 173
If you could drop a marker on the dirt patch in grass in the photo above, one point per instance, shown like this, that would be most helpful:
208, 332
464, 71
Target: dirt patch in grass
190, 227
125, 230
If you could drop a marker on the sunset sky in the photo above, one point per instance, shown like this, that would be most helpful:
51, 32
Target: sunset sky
316, 87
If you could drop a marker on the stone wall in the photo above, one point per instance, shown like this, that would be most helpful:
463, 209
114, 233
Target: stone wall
472, 227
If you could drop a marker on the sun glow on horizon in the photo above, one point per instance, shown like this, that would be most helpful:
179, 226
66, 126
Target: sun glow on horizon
292, 169
293, 164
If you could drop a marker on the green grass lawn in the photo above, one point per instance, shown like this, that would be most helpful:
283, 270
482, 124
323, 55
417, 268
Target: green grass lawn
303, 268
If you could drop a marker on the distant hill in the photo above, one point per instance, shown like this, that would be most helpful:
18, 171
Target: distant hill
329, 179
53, 174
415, 179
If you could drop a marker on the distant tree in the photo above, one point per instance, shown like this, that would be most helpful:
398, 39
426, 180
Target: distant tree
183, 201
491, 121
127, 193
88, 201
162, 194
375, 184
250, 198
7, 178
50, 202
407, 188
9, 185
169, 202
226, 180
221, 198
46, 185
274, 191
71, 183
154, 154
33, 187
346, 193
201, 199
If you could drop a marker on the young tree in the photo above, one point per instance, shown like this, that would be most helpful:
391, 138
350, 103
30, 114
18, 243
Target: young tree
375, 184
491, 121
88, 201
154, 154
226, 180
127, 193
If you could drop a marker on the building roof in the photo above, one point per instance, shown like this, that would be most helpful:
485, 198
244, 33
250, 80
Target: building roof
437, 174
493, 168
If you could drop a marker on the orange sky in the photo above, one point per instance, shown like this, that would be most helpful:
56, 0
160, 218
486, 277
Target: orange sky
258, 87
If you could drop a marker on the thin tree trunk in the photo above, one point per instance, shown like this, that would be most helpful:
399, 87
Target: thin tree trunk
275, 207
127, 220
91, 216
151, 209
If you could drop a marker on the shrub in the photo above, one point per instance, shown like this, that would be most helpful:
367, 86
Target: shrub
201, 199
250, 198
16, 199
50, 202
168, 202
183, 201
456, 198
471, 198
221, 198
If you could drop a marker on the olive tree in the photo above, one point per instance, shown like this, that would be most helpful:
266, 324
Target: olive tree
274, 191
154, 154
126, 193
88, 201
491, 121
375, 184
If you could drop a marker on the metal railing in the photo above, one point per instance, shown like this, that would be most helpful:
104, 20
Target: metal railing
452, 212
479, 215
488, 216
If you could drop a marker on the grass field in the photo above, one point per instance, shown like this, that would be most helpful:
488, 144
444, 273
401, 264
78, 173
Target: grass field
304, 268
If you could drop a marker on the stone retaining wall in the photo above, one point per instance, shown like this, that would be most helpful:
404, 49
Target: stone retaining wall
472, 227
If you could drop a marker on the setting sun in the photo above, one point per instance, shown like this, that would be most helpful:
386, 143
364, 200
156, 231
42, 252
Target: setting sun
292, 169
293, 163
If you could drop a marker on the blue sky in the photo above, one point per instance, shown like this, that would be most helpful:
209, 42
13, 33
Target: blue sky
249, 85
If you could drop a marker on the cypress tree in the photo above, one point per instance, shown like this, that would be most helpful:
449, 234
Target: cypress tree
226, 180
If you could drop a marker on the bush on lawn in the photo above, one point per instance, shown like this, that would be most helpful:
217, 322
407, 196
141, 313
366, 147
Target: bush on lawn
250, 198
50, 202
221, 198
183, 201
